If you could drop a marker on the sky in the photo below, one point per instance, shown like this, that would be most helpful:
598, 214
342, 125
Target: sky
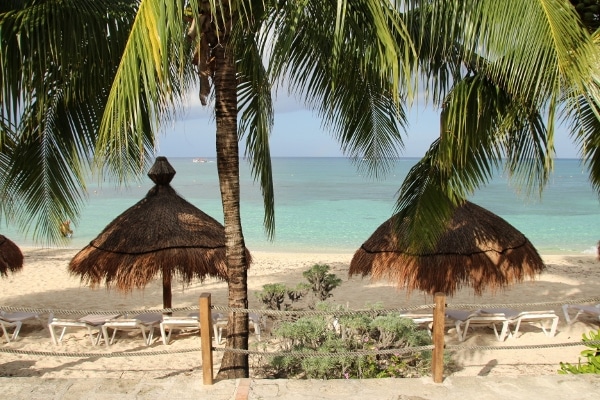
297, 132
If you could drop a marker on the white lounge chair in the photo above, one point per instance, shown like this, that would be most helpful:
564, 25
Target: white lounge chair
144, 323
222, 319
581, 309
539, 318
170, 323
14, 319
463, 319
92, 322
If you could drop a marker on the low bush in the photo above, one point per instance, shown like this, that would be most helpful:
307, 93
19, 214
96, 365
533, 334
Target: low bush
336, 338
592, 355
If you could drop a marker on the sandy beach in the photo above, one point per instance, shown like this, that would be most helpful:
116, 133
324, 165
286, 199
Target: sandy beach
44, 283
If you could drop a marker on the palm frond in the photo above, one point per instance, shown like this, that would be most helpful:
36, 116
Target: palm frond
586, 131
53, 89
499, 82
152, 79
480, 124
549, 49
582, 113
46, 175
256, 122
349, 82
423, 208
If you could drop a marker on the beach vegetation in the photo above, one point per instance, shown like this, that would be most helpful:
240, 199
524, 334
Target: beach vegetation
591, 355
322, 282
332, 347
273, 295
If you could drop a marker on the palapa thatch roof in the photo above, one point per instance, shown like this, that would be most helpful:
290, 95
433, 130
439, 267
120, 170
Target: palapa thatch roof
162, 234
479, 249
11, 257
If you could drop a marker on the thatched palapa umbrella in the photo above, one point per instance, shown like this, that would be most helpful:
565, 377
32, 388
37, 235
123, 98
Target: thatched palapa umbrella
162, 234
478, 249
11, 257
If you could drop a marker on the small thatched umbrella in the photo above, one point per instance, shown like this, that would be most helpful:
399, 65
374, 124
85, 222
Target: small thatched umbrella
478, 249
162, 234
11, 257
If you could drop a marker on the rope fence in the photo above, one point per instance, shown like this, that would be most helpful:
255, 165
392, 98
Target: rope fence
340, 311
205, 309
299, 354
97, 355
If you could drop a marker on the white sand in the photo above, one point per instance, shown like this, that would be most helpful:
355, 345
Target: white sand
45, 283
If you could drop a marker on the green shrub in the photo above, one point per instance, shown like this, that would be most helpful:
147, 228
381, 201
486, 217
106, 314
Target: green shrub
395, 331
335, 335
272, 295
321, 281
296, 294
592, 355
358, 332
305, 332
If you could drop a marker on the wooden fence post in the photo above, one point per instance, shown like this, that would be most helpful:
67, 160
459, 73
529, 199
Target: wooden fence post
206, 338
439, 314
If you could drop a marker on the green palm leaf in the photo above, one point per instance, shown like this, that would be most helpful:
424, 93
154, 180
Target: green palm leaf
51, 105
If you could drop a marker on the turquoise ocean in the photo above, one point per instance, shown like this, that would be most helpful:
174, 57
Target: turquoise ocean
325, 205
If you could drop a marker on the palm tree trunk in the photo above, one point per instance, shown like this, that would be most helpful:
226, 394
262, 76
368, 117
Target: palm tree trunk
233, 365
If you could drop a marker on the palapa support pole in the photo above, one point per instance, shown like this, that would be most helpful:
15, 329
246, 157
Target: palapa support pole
439, 313
206, 338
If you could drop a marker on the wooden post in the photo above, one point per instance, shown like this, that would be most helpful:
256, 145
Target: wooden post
206, 338
439, 314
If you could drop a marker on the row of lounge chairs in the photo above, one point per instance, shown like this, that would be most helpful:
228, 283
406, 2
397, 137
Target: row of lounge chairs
505, 323
98, 326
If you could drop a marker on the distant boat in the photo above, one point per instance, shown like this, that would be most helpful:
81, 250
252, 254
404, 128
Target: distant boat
199, 160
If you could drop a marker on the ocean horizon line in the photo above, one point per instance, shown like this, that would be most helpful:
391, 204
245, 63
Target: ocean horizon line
337, 157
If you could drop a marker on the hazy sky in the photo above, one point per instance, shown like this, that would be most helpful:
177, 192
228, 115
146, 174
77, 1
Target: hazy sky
298, 133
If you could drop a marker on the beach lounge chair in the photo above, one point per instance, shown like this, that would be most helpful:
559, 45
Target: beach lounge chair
463, 319
145, 323
191, 321
539, 318
91, 322
456, 319
14, 319
581, 309
221, 322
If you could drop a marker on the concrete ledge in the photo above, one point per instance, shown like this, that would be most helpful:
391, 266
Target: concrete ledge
464, 388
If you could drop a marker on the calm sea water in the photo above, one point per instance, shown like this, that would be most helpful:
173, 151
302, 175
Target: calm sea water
326, 205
